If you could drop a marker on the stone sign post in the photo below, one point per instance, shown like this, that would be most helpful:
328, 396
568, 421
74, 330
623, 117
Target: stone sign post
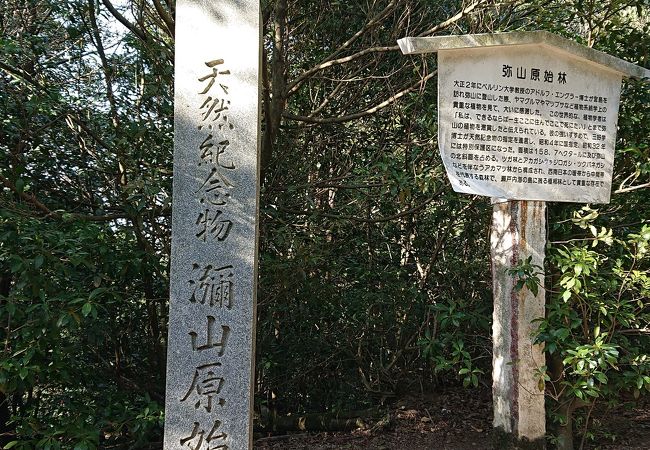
524, 118
213, 275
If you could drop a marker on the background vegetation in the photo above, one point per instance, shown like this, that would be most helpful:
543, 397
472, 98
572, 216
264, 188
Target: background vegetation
374, 275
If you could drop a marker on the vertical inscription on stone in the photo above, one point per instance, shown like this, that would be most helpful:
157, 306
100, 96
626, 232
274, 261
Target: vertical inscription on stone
215, 188
527, 123
214, 226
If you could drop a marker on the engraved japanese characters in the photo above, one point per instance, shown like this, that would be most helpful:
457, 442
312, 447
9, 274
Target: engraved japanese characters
213, 270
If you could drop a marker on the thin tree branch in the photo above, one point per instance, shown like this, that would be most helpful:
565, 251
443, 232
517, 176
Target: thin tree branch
120, 176
115, 13
633, 331
19, 74
367, 112
165, 16
31, 198
91, 133
295, 84
374, 21
631, 188
333, 94
96, 37
59, 214
408, 212
441, 26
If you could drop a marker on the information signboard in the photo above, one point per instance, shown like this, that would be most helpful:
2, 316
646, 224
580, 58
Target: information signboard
527, 123
524, 116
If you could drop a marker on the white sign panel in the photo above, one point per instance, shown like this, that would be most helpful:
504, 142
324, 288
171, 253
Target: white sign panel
527, 123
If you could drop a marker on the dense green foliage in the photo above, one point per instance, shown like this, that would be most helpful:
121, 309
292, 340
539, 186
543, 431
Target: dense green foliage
598, 319
374, 276
84, 227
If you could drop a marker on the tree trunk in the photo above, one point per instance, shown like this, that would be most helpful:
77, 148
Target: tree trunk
6, 430
565, 432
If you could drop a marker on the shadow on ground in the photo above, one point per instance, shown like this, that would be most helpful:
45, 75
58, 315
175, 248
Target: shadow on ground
459, 419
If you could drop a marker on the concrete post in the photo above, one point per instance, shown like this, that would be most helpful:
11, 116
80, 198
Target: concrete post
518, 231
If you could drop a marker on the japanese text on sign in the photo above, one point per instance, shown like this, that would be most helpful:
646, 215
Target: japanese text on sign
526, 127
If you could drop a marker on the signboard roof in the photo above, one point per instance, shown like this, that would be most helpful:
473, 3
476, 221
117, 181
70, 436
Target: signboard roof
417, 45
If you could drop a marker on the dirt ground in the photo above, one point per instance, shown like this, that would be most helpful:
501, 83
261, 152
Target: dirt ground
454, 421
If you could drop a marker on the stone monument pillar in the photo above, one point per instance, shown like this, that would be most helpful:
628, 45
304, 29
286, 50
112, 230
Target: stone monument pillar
210, 359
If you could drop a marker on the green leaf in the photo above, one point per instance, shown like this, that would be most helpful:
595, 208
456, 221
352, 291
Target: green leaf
12, 444
562, 333
86, 309
97, 292
601, 377
38, 261
570, 283
16, 264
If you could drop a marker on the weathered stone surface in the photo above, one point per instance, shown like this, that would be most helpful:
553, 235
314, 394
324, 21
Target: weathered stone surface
214, 226
518, 232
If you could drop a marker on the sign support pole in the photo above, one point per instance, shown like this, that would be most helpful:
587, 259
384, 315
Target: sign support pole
518, 232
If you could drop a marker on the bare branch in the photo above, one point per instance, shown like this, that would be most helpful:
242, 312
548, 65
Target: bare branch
333, 94
59, 214
96, 37
31, 198
120, 172
115, 13
456, 18
632, 188
360, 114
639, 331
19, 74
165, 16
295, 84
374, 21
408, 212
